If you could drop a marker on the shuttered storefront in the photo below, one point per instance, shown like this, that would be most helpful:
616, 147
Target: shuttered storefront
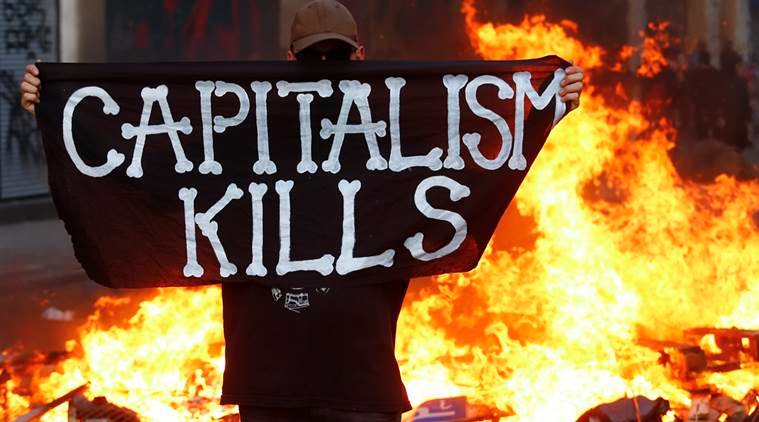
28, 32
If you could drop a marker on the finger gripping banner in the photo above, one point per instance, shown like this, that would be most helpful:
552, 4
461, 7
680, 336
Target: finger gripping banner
292, 175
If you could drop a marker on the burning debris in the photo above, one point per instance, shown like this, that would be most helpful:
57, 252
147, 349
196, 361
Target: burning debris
40, 411
707, 407
709, 350
730, 344
636, 409
710, 408
83, 410
454, 409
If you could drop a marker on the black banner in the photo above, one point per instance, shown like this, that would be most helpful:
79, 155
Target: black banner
289, 174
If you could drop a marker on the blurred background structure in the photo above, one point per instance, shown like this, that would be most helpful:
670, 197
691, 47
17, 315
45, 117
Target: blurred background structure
179, 30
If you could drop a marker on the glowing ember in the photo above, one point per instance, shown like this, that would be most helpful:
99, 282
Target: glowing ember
622, 249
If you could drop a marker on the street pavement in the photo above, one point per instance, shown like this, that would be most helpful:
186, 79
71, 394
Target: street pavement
44, 293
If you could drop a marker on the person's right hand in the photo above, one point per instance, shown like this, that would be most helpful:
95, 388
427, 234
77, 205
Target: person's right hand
30, 88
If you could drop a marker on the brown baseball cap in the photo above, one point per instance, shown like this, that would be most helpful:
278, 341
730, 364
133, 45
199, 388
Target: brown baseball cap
321, 20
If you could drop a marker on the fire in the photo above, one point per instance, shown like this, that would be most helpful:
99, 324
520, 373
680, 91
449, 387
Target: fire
534, 35
619, 248
624, 249
165, 362
652, 55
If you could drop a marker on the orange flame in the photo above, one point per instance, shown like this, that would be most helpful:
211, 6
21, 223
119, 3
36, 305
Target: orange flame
166, 362
625, 249
652, 55
534, 34
619, 248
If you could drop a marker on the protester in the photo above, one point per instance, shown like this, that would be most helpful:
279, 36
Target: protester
703, 78
736, 108
323, 354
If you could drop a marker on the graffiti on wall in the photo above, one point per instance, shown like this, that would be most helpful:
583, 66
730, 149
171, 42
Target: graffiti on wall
27, 29
28, 33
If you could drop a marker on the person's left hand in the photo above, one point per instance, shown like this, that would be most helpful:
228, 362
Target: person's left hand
571, 87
